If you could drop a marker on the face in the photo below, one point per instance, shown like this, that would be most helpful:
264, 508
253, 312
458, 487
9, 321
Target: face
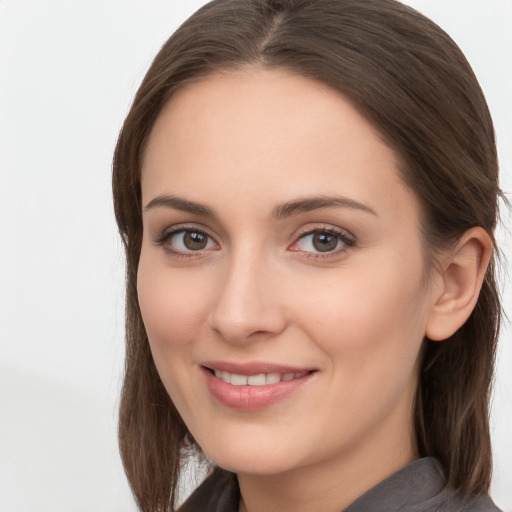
281, 278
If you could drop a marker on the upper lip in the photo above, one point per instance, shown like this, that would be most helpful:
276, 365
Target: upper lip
253, 368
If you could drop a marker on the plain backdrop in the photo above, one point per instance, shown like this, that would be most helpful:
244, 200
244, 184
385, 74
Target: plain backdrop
68, 72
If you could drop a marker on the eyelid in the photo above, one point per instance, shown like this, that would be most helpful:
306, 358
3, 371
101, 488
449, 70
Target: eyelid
166, 234
348, 240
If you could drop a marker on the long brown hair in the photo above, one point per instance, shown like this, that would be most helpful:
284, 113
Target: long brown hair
413, 83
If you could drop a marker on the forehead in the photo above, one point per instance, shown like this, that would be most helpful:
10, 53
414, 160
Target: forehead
269, 134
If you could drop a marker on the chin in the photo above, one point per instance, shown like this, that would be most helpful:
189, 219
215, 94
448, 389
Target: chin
255, 459
254, 467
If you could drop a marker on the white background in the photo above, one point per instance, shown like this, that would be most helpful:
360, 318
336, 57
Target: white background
68, 72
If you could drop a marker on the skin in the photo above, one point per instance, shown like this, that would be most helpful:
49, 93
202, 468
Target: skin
242, 143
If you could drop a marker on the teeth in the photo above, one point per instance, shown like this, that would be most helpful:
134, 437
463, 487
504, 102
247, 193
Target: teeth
273, 378
237, 380
260, 379
256, 380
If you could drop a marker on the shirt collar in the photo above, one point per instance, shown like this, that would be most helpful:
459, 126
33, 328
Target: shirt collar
416, 483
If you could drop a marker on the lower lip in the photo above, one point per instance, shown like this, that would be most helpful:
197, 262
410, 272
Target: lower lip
251, 397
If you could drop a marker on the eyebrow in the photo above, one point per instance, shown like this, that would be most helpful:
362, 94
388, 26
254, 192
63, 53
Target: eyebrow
279, 212
315, 203
178, 203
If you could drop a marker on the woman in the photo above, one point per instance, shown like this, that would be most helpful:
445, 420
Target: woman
307, 191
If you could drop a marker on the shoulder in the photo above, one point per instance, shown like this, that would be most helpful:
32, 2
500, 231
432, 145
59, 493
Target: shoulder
451, 501
419, 487
482, 504
218, 493
457, 503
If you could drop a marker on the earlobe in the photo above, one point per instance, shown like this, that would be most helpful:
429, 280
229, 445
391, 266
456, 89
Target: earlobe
463, 273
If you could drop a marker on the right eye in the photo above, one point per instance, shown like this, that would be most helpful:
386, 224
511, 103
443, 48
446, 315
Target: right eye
183, 241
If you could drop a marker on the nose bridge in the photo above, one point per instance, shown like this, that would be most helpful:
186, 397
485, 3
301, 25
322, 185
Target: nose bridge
246, 303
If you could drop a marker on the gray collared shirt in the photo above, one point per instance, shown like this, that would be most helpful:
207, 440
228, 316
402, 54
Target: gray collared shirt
418, 487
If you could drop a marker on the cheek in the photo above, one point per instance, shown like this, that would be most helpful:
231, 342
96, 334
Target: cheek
172, 308
371, 327
375, 314
171, 303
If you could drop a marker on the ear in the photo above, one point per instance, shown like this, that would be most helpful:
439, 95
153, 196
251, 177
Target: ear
462, 275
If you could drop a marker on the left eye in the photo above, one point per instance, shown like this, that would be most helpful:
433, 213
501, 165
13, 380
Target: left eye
188, 240
322, 241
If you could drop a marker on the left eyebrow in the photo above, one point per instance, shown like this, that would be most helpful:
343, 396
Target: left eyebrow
314, 203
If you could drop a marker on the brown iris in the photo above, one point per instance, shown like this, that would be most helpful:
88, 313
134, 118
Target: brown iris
324, 242
195, 240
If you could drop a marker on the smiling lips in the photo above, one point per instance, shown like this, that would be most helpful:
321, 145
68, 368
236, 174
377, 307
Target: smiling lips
261, 379
252, 387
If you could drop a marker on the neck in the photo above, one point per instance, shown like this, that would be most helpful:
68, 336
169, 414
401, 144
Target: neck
332, 485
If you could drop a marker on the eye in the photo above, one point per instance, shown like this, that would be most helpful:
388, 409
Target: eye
323, 241
186, 241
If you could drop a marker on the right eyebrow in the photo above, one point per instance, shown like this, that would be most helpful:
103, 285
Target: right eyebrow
178, 203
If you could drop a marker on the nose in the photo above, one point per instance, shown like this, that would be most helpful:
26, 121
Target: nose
247, 304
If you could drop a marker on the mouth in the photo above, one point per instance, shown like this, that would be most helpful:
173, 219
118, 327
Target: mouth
253, 386
259, 379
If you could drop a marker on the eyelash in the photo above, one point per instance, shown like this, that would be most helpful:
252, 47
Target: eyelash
164, 241
346, 240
